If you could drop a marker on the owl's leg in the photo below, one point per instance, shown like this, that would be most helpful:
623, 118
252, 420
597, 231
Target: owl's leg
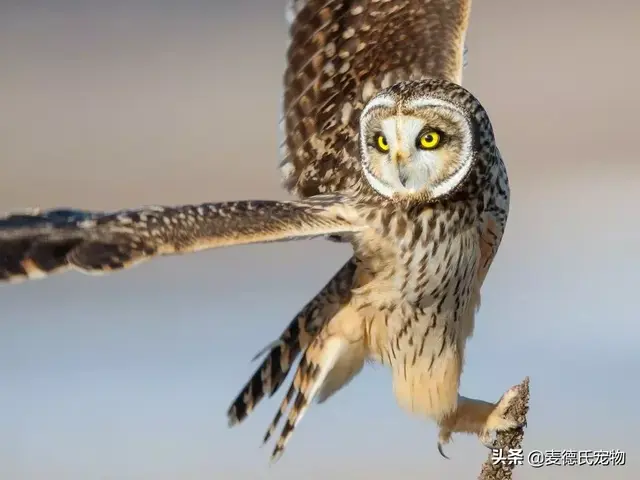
478, 417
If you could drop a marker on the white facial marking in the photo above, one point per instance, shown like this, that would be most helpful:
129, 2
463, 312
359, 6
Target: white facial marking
434, 102
381, 101
379, 186
407, 168
465, 153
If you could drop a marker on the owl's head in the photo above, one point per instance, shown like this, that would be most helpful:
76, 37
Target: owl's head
419, 140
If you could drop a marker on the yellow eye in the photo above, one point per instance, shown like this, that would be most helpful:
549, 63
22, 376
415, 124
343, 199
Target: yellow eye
381, 143
429, 140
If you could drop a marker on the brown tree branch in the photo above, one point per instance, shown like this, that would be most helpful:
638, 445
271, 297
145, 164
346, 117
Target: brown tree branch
499, 464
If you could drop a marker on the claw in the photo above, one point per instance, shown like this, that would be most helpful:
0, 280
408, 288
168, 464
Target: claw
486, 439
441, 452
490, 444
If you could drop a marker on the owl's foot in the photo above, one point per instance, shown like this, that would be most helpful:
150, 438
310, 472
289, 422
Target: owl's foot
498, 421
478, 417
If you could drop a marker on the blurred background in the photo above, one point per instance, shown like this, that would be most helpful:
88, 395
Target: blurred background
108, 105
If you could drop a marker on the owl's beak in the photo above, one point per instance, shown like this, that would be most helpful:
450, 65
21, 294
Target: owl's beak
403, 176
401, 157
402, 167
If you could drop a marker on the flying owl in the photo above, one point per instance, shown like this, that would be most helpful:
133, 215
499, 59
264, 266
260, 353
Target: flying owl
384, 150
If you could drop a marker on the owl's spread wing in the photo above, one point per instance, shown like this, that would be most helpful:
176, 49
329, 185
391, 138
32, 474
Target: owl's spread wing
341, 53
36, 244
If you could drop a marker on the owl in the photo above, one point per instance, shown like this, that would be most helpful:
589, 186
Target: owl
385, 151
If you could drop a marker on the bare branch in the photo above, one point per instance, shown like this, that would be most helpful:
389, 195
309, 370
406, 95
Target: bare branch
498, 468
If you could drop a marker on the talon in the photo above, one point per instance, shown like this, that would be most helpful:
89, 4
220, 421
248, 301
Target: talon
441, 452
487, 440
490, 444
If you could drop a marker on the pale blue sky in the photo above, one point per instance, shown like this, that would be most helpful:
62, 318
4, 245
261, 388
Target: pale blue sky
128, 376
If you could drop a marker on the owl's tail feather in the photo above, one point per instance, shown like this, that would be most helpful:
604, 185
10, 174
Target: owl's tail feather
284, 405
316, 364
282, 353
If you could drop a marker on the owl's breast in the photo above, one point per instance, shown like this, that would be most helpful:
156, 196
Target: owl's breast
419, 260
413, 295
439, 272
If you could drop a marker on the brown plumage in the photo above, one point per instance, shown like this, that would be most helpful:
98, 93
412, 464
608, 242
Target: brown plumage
386, 151
36, 244
341, 53
281, 354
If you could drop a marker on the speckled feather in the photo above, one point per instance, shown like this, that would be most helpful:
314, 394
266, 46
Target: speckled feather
36, 244
282, 353
408, 296
341, 53
419, 270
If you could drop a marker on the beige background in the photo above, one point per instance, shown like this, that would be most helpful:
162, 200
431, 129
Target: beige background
116, 104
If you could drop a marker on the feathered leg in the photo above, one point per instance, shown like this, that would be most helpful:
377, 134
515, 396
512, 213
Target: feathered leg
478, 417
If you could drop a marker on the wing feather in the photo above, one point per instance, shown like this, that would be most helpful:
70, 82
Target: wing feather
37, 244
341, 53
